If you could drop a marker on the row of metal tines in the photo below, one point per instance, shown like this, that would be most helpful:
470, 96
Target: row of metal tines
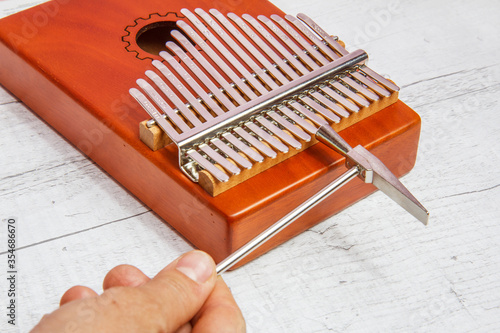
257, 56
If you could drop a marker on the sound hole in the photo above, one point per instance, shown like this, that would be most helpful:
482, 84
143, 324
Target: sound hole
152, 37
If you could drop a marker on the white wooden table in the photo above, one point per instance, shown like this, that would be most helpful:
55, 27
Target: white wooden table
370, 268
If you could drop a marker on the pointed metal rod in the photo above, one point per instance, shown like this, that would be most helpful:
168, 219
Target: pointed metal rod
246, 249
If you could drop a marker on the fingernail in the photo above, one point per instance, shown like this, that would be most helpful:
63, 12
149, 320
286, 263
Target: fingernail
196, 265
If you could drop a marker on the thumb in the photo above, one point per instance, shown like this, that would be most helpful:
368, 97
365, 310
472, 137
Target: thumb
181, 289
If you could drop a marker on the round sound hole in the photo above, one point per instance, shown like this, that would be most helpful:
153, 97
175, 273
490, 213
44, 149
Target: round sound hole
152, 37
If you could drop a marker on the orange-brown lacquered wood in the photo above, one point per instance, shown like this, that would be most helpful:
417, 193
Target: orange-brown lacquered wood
392, 135
67, 60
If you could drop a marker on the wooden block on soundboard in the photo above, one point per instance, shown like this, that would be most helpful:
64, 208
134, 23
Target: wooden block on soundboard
153, 136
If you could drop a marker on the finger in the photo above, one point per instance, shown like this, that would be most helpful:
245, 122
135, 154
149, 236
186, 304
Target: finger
186, 328
76, 292
220, 313
124, 276
182, 287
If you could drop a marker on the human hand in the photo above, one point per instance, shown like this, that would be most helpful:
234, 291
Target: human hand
186, 296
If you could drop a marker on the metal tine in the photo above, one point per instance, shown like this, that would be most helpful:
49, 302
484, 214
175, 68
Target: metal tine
340, 99
249, 46
330, 104
371, 84
323, 34
153, 112
238, 50
193, 101
183, 109
349, 93
298, 119
225, 52
263, 46
379, 78
209, 68
266, 136
193, 84
309, 114
163, 105
277, 45
200, 75
255, 142
358, 87
248, 151
299, 39
340, 49
320, 109
295, 130
207, 165
231, 153
312, 37
217, 60
279, 132
291, 44
219, 159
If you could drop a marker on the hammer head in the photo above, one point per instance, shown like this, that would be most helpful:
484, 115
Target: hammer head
375, 172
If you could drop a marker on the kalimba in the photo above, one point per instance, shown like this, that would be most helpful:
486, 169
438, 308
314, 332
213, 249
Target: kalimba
239, 95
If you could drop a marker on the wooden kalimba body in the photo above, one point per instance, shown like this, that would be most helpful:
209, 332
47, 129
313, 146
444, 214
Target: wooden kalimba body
73, 63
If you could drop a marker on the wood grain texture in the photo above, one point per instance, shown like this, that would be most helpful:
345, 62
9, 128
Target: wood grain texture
370, 268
